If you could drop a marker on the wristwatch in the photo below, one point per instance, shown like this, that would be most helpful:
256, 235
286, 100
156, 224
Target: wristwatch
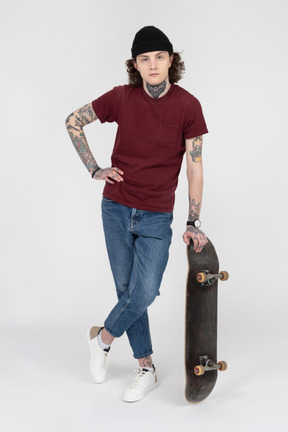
196, 223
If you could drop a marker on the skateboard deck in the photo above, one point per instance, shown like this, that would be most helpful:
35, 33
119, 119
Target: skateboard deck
201, 322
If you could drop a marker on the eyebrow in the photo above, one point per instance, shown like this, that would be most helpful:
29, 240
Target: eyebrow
142, 55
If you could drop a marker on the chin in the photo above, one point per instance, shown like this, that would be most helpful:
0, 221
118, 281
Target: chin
155, 80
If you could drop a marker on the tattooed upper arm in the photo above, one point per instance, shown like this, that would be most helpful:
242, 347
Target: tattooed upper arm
194, 149
81, 117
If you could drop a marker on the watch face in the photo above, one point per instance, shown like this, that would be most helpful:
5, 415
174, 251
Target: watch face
197, 223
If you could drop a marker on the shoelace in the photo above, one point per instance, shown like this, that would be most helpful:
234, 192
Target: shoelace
103, 359
138, 380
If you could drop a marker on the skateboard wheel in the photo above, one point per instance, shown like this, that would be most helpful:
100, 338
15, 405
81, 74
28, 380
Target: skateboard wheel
199, 370
224, 275
223, 365
201, 277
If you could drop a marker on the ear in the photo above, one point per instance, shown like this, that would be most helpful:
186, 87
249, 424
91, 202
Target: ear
171, 59
135, 64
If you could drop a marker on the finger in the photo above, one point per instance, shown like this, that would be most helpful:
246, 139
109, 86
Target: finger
118, 170
196, 243
203, 241
199, 249
186, 239
109, 181
111, 175
200, 246
117, 177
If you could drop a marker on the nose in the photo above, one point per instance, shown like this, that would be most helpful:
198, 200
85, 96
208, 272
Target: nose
153, 64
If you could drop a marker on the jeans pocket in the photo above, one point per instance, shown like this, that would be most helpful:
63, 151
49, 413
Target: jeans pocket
168, 215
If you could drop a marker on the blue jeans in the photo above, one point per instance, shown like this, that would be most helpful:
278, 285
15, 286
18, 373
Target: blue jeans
138, 247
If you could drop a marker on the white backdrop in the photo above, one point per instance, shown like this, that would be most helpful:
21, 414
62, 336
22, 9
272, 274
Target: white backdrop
57, 56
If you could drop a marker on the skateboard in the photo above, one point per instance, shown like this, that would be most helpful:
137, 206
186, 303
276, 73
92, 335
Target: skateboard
201, 322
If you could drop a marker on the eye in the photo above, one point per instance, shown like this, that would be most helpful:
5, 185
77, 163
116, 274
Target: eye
160, 57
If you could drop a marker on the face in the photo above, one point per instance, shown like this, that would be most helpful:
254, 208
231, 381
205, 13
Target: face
153, 66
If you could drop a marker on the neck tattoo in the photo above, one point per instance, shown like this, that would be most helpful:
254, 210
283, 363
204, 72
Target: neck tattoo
157, 89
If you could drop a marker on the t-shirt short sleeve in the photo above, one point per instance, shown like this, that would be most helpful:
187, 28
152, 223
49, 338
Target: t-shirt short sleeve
195, 124
107, 106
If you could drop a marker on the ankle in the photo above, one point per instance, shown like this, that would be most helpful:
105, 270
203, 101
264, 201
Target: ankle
146, 362
106, 337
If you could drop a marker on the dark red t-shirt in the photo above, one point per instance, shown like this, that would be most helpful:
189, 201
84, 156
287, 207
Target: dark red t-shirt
150, 142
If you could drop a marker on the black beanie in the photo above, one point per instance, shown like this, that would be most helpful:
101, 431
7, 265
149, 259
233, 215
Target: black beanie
149, 39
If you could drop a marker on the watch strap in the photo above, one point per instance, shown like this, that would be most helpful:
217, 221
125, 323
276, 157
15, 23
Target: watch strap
192, 223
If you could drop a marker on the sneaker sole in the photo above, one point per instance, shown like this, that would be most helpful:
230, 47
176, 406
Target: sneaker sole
143, 395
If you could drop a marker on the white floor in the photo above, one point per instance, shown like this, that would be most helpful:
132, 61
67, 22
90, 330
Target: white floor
45, 386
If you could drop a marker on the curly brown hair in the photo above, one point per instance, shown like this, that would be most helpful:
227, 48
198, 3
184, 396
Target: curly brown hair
176, 71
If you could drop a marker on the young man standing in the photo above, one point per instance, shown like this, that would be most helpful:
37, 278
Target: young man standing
158, 122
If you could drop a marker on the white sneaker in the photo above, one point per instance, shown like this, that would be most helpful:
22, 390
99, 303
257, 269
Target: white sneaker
143, 382
98, 357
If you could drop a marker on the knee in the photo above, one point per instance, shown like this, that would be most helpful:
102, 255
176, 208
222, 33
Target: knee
121, 289
146, 297
150, 296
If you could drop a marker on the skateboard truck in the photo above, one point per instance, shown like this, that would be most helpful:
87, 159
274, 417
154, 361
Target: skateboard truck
206, 278
207, 364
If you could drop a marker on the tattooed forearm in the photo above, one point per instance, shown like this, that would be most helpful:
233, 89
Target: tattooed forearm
196, 152
194, 209
74, 124
80, 143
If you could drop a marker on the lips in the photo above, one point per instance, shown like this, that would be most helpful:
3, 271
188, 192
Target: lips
155, 74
